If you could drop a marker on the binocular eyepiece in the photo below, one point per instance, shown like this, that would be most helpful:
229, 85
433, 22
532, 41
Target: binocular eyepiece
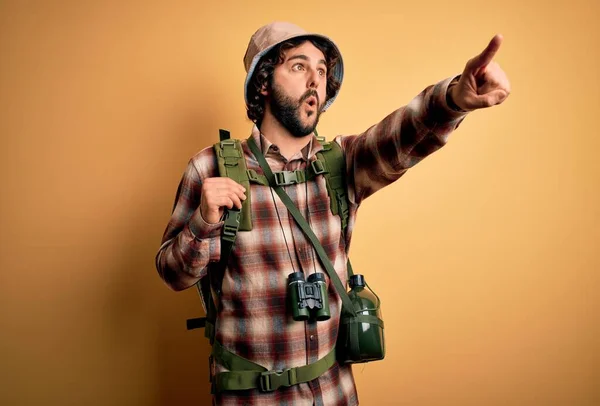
308, 298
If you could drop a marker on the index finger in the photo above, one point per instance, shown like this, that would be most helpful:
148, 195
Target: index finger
487, 55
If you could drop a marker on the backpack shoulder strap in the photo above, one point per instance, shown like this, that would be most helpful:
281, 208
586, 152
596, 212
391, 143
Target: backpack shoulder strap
232, 164
335, 177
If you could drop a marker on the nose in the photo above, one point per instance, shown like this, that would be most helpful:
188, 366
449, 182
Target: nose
314, 79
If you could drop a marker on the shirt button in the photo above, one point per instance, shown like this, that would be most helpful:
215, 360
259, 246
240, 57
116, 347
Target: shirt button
312, 337
275, 148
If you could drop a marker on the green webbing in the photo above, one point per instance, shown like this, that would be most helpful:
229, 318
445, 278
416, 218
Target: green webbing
254, 177
335, 178
285, 178
333, 155
223, 135
209, 331
232, 361
353, 336
246, 374
319, 138
205, 293
346, 302
232, 164
363, 318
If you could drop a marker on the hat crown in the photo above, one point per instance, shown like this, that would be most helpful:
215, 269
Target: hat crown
269, 35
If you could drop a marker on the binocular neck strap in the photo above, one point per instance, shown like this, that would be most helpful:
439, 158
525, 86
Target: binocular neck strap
346, 302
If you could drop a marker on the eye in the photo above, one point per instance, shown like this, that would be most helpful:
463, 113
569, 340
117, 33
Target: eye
298, 67
322, 72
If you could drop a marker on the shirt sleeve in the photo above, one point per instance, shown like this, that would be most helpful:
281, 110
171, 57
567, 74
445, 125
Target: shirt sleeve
384, 152
188, 243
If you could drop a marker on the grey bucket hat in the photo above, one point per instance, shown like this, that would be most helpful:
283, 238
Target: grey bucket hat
270, 35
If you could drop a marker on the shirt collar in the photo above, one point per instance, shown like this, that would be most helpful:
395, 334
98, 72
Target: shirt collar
267, 147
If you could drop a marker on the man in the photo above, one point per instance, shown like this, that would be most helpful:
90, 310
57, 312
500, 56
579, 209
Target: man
292, 77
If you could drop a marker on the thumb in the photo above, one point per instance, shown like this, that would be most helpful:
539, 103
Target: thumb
492, 98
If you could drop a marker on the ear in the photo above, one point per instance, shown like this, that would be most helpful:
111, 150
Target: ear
263, 90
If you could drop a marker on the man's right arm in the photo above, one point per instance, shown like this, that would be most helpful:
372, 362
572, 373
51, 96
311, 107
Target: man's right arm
189, 243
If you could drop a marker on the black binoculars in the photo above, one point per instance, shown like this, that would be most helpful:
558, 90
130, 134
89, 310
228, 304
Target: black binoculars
308, 298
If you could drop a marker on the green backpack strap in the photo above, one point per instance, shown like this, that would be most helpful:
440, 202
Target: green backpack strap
332, 157
231, 164
333, 160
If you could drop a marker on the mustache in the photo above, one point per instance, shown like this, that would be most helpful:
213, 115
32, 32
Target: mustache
310, 93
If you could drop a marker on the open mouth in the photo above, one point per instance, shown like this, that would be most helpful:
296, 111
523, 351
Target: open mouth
312, 101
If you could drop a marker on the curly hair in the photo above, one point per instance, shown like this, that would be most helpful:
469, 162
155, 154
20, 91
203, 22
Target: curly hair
263, 74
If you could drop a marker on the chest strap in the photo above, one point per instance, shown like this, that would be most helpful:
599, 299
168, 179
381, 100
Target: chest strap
245, 374
285, 178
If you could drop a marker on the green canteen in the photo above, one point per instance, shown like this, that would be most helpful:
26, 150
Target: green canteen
360, 337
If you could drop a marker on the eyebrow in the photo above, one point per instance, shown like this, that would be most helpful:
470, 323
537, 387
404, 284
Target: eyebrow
306, 58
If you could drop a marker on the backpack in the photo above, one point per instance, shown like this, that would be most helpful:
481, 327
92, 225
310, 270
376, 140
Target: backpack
231, 163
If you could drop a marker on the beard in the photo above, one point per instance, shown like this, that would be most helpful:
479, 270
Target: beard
287, 111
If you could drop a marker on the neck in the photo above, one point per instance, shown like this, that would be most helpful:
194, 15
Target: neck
288, 145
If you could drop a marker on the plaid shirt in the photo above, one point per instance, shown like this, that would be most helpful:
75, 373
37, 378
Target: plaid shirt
252, 320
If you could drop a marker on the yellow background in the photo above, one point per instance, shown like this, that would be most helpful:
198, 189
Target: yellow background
485, 255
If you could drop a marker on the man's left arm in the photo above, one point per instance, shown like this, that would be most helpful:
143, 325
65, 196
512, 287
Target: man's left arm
384, 152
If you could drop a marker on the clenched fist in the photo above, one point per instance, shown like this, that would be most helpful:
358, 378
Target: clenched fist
218, 193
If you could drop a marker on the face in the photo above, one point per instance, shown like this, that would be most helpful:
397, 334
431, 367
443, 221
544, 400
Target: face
298, 90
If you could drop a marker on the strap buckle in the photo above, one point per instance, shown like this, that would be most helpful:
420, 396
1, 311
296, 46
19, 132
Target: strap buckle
272, 380
230, 153
317, 167
227, 142
252, 175
285, 178
231, 225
